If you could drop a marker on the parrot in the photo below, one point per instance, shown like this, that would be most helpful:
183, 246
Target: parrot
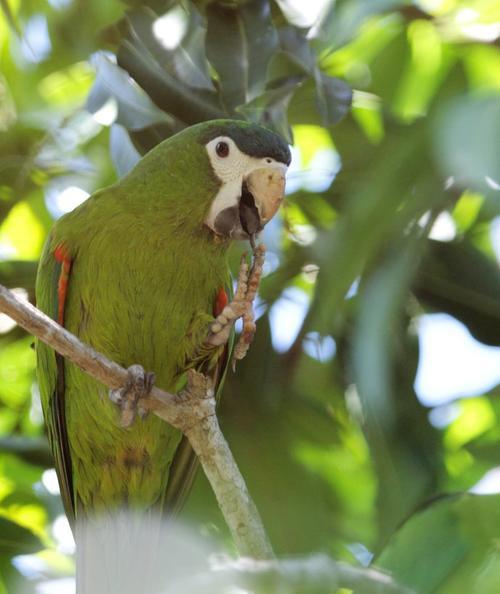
139, 271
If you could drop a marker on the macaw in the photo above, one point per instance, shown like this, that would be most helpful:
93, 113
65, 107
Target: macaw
139, 271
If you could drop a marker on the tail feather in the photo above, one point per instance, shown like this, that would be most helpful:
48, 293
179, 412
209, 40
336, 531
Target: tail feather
121, 554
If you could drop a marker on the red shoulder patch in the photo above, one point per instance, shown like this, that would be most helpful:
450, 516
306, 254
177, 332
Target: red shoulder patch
221, 301
61, 254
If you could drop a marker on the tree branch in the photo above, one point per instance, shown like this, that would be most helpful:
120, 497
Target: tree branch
310, 575
192, 411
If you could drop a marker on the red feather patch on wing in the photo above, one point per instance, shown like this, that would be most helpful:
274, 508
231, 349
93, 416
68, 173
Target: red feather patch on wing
220, 301
62, 256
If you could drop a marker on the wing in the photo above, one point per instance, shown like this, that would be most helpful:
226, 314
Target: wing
185, 463
52, 285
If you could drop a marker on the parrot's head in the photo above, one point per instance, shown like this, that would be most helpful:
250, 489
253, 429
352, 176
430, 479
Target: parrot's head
249, 163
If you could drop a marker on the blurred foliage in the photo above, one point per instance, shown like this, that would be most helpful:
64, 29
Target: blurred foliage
329, 433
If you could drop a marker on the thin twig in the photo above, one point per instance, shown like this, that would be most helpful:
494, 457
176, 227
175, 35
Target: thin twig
191, 412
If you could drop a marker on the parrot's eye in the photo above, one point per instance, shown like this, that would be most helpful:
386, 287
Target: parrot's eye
222, 149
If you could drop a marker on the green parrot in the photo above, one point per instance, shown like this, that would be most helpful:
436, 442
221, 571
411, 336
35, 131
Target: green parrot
139, 271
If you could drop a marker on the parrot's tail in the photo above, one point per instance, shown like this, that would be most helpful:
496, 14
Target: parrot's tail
137, 552
119, 554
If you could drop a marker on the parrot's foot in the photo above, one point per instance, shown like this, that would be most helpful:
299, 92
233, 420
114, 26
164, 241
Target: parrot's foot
138, 386
241, 306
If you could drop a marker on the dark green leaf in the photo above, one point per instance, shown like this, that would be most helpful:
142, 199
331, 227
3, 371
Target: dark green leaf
17, 540
166, 91
466, 134
135, 108
457, 278
407, 460
449, 547
334, 98
189, 60
294, 44
32, 450
18, 273
239, 44
374, 205
147, 138
322, 100
271, 107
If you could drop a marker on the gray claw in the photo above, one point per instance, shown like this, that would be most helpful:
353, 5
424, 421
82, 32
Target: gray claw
128, 397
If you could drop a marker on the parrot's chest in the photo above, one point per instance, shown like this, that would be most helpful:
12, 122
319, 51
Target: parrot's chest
145, 304
138, 305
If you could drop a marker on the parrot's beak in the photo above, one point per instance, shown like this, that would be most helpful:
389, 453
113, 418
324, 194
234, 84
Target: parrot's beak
242, 210
266, 188
262, 193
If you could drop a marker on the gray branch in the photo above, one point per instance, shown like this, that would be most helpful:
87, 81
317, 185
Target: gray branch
192, 411
317, 574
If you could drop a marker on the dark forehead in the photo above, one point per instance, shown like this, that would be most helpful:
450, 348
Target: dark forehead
251, 139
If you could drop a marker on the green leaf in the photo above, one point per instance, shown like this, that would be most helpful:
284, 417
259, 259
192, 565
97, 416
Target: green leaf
123, 153
343, 20
333, 97
165, 90
459, 279
467, 130
450, 547
384, 362
322, 100
390, 193
295, 45
239, 44
271, 107
17, 540
9, 17
135, 108
18, 273
29, 449
147, 138
189, 60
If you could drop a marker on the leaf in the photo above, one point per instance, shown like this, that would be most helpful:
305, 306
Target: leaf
9, 17
322, 100
147, 138
384, 373
135, 108
123, 153
29, 449
450, 547
17, 540
342, 21
239, 44
459, 279
18, 273
376, 205
295, 45
271, 107
189, 60
165, 90
334, 98
467, 130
